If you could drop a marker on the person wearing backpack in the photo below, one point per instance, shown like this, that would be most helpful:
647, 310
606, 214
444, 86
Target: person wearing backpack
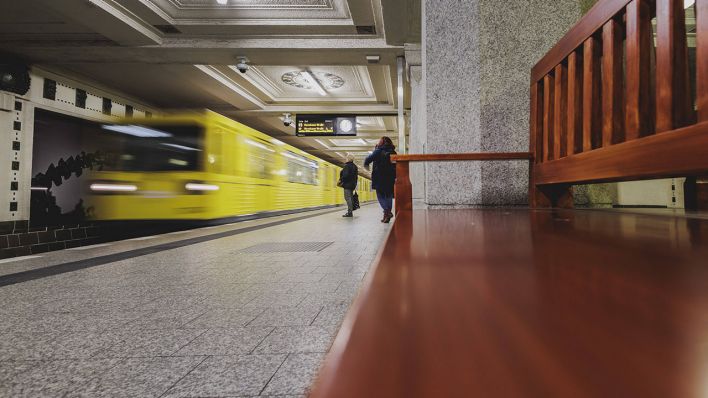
348, 180
383, 175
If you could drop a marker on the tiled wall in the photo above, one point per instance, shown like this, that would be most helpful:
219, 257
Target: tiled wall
17, 238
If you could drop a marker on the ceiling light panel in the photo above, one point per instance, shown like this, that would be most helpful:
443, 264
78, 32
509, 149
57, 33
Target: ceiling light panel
348, 142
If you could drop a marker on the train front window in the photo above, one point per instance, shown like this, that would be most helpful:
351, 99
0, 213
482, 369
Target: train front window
158, 147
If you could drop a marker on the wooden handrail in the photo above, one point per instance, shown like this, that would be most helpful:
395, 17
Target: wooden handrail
441, 157
403, 187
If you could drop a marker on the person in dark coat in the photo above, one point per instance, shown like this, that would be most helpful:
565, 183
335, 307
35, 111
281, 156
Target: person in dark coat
348, 178
383, 175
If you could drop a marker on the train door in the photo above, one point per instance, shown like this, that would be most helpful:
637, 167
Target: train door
260, 164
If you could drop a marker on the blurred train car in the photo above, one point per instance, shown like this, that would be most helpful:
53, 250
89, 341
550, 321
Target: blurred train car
205, 167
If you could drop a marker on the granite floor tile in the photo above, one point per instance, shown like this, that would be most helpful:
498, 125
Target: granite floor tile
316, 287
40, 322
262, 277
138, 377
225, 318
150, 343
170, 319
297, 339
16, 345
166, 303
226, 341
159, 304
226, 299
244, 375
333, 269
295, 376
346, 277
295, 278
287, 316
274, 299
95, 304
331, 315
331, 299
69, 345
55, 378
9, 370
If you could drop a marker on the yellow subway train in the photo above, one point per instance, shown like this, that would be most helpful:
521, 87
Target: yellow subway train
204, 166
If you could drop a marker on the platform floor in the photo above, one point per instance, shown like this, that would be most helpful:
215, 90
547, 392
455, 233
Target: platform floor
201, 313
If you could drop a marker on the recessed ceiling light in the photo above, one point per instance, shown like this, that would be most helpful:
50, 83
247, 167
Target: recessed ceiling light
223, 2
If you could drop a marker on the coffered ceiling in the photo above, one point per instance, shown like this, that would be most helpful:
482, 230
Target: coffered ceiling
305, 56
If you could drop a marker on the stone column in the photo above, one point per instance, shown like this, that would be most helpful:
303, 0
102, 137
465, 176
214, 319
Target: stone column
417, 136
477, 59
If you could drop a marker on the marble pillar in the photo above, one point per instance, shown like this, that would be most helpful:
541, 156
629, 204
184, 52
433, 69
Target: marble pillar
476, 60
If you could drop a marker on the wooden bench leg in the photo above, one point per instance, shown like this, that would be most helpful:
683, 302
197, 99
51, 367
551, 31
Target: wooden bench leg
560, 195
403, 191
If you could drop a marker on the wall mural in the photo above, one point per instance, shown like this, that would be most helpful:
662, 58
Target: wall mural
44, 208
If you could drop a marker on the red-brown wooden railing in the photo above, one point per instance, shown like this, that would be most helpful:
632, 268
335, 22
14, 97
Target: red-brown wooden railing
608, 105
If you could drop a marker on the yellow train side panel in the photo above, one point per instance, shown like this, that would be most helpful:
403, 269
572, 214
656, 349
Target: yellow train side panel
244, 186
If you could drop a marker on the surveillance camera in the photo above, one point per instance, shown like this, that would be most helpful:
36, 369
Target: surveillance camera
243, 68
287, 120
242, 65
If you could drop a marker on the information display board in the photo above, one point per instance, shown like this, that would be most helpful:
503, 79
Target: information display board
325, 125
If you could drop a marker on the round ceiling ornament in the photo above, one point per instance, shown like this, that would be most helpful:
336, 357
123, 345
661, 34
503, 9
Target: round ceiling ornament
329, 81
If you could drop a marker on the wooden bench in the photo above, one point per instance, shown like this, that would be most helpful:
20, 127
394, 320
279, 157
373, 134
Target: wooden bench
554, 302
528, 303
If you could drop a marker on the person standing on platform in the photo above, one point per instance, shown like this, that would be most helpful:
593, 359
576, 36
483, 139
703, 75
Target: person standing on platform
348, 180
383, 176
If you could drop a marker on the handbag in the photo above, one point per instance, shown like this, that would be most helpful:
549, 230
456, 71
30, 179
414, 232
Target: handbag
355, 201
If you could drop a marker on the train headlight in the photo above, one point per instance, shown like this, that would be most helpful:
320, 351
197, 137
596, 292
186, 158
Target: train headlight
195, 186
106, 187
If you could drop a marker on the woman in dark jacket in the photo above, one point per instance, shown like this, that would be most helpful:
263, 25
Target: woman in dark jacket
348, 179
383, 176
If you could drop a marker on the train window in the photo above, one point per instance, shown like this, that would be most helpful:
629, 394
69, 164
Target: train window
301, 170
260, 159
158, 147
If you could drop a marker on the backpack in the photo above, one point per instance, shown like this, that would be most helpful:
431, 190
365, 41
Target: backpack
386, 159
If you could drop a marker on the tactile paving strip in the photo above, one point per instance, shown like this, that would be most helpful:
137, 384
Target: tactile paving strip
286, 247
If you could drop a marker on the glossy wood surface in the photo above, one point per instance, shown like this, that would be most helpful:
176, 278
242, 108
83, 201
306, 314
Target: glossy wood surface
560, 112
403, 189
702, 59
682, 152
536, 122
528, 303
575, 104
548, 118
638, 66
673, 106
592, 105
443, 157
612, 90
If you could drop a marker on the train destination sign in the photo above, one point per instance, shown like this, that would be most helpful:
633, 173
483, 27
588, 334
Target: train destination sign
325, 125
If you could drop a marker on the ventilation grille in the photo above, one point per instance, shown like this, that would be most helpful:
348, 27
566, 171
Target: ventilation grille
168, 29
366, 30
287, 247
